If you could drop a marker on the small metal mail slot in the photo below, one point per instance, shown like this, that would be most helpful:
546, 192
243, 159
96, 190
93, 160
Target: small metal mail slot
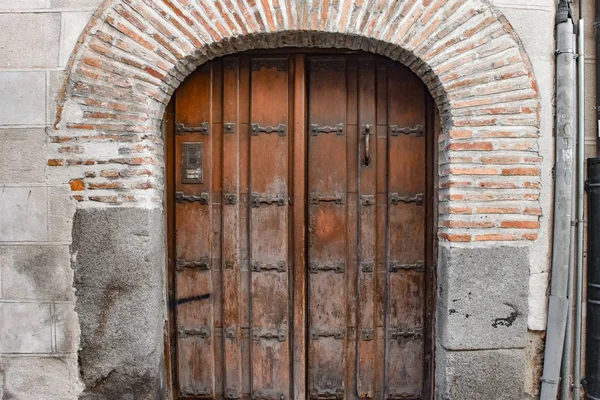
334, 394
192, 154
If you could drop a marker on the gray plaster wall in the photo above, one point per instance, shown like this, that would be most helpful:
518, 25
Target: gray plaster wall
118, 258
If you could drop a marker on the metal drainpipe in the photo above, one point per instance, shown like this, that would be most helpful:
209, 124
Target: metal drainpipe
580, 203
592, 359
563, 192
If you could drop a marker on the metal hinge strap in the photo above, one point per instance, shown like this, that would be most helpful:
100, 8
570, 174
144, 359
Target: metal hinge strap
315, 198
396, 266
203, 264
180, 197
404, 396
206, 393
337, 267
258, 200
269, 334
281, 129
414, 334
335, 394
397, 199
230, 198
337, 333
396, 130
203, 332
261, 395
315, 129
203, 129
279, 267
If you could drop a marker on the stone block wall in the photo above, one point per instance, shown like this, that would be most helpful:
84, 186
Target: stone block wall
39, 329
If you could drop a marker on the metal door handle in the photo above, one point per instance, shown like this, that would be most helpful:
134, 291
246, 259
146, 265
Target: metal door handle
366, 131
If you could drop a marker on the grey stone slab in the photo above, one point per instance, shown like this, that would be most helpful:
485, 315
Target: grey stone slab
535, 41
23, 5
22, 155
75, 4
25, 328
44, 378
56, 80
36, 272
22, 98
483, 374
29, 40
483, 297
73, 24
118, 262
62, 209
66, 328
24, 215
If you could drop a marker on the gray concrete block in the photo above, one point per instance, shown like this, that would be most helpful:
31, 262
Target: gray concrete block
22, 98
75, 4
118, 262
29, 40
36, 272
62, 209
25, 328
44, 378
56, 79
23, 5
24, 215
66, 328
22, 155
536, 40
479, 375
73, 24
483, 297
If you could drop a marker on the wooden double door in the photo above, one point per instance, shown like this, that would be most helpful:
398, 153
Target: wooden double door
301, 254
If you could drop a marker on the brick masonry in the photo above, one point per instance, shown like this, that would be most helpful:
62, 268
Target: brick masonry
103, 148
135, 53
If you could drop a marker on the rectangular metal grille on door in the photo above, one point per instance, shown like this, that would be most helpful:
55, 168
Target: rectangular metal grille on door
301, 265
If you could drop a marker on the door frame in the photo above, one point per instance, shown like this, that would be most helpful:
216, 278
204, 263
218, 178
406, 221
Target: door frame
298, 119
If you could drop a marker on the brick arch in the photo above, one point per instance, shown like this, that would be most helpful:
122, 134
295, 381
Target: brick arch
135, 53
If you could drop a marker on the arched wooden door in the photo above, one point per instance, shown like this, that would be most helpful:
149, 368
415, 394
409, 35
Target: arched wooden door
301, 261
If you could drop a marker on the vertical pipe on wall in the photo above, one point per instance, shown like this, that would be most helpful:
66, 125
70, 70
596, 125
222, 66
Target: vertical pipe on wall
580, 204
592, 359
565, 121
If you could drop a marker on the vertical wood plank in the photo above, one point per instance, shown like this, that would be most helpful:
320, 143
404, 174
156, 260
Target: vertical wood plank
299, 228
327, 187
269, 228
367, 207
231, 230
406, 173
194, 280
